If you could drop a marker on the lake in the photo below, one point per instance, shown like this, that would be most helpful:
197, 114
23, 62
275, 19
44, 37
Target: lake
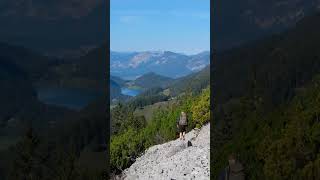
130, 92
67, 97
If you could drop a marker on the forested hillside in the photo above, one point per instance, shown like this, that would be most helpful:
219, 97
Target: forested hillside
32, 63
266, 105
131, 134
87, 71
275, 65
194, 82
151, 80
40, 139
16, 89
60, 152
279, 144
118, 80
115, 89
19, 104
45, 141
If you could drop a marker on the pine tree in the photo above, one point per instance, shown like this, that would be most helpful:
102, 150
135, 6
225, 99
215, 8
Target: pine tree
28, 163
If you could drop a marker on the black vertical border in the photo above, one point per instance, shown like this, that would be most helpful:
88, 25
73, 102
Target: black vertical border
107, 75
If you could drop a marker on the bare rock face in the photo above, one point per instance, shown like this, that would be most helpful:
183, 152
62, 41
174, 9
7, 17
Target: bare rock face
175, 159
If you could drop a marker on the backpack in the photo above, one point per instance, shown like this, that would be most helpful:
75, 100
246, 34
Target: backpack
183, 120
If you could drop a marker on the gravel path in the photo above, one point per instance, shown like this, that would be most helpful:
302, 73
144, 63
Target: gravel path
174, 160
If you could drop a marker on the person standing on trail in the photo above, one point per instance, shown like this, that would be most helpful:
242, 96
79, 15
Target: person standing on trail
182, 125
234, 171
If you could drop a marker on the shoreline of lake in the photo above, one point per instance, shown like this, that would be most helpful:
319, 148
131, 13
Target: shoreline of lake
130, 91
72, 98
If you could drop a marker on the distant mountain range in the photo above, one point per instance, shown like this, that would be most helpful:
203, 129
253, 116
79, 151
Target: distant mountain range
247, 20
150, 82
59, 28
174, 65
54, 9
276, 65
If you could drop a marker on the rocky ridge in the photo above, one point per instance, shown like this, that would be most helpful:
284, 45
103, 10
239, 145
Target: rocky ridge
175, 159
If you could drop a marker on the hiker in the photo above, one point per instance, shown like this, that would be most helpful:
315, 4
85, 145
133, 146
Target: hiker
182, 125
234, 171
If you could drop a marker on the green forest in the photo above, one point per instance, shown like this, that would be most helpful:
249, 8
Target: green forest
281, 144
267, 103
61, 152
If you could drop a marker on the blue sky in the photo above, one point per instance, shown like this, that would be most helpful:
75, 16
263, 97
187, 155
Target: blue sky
156, 25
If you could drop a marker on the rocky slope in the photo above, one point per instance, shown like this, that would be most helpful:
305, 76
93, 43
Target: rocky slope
174, 159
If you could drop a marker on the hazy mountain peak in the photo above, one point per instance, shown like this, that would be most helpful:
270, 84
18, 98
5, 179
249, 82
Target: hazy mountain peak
203, 53
151, 74
140, 58
48, 10
165, 63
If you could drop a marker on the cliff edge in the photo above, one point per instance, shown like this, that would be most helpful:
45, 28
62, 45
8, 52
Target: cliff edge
175, 159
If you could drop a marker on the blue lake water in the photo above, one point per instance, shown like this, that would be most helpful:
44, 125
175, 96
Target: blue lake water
67, 97
130, 92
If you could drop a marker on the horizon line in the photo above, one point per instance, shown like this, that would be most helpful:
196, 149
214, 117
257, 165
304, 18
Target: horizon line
135, 51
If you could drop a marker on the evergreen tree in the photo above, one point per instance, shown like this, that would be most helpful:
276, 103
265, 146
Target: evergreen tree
29, 161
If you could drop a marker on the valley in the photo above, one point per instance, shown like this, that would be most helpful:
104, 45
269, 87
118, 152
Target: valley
160, 73
49, 98
149, 118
